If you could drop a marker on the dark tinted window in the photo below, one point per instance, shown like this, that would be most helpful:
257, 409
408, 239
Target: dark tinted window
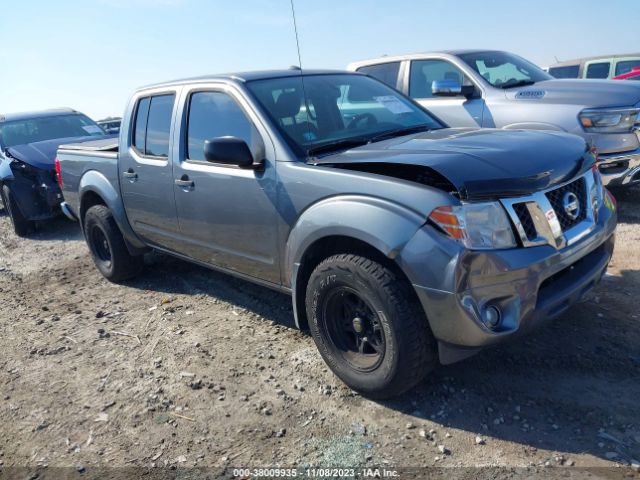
212, 115
425, 72
158, 126
141, 124
570, 71
626, 66
598, 70
19, 132
385, 72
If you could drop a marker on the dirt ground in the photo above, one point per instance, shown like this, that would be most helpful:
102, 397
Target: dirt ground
184, 367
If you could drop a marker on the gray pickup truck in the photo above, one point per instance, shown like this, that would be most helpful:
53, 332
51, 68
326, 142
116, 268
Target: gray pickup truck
400, 241
471, 88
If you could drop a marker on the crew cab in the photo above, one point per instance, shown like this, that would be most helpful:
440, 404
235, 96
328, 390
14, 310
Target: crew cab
401, 241
28, 144
470, 88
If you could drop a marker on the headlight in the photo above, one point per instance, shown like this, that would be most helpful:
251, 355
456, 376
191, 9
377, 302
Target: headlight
609, 120
478, 226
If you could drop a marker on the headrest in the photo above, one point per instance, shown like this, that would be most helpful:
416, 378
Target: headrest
288, 104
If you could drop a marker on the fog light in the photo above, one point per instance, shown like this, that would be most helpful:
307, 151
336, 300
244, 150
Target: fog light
491, 316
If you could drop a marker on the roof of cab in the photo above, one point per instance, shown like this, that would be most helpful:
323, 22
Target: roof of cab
416, 55
579, 61
6, 117
243, 77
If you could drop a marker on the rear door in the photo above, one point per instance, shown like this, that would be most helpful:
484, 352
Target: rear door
457, 111
227, 215
146, 176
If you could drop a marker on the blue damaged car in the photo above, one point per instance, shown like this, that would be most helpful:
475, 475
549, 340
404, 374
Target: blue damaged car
28, 144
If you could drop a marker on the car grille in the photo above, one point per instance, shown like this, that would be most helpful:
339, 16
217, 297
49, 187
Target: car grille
534, 217
525, 218
556, 198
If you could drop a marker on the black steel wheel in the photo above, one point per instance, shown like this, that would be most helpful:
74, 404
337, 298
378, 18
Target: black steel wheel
369, 326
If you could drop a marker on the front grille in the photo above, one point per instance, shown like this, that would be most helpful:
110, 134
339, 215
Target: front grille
525, 219
556, 198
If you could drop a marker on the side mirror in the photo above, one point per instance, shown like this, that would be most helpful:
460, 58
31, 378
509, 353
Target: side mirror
451, 88
228, 150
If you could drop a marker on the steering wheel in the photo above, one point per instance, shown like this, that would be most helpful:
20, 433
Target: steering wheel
366, 119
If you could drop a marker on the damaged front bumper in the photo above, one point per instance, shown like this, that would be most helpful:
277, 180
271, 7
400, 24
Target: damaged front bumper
526, 286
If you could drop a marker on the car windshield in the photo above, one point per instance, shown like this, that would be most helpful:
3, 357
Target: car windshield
20, 132
505, 70
332, 112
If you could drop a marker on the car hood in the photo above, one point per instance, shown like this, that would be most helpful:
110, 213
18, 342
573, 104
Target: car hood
42, 154
592, 93
487, 163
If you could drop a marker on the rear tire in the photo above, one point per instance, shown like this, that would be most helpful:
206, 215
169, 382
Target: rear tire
21, 226
108, 247
369, 326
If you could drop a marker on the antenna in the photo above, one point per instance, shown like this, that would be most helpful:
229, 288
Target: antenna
304, 92
295, 29
557, 61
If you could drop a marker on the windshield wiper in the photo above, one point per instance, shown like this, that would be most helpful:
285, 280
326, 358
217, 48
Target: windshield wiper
342, 144
519, 83
399, 132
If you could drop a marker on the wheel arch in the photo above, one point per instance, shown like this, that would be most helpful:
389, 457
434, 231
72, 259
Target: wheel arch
96, 189
344, 224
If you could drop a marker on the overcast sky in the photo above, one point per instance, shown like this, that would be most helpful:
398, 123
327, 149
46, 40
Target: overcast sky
90, 54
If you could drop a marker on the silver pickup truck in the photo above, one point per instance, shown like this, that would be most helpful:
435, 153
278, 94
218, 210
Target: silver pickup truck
400, 241
471, 88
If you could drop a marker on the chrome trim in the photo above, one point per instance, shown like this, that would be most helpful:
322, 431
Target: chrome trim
64, 206
620, 178
545, 220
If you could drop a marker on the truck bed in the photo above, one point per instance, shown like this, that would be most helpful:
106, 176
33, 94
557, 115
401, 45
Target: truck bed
103, 145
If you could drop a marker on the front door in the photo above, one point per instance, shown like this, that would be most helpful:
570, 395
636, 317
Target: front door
227, 215
145, 170
455, 111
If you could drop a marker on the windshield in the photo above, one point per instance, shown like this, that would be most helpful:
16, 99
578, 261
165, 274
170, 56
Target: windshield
505, 70
340, 110
20, 132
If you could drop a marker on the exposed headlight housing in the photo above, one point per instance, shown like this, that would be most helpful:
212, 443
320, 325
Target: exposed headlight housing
478, 226
609, 120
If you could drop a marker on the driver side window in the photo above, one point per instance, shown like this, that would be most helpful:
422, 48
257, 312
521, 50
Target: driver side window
216, 114
425, 72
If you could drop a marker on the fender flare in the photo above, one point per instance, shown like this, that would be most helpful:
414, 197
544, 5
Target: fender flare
383, 225
95, 182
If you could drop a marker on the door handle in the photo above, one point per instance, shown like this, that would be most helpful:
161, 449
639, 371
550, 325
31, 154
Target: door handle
184, 183
130, 175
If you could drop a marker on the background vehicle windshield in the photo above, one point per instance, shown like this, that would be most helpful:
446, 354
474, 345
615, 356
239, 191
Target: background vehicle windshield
336, 108
19, 132
505, 70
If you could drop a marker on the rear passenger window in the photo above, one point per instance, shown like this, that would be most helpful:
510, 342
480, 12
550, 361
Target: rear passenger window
141, 124
153, 123
385, 72
598, 70
213, 115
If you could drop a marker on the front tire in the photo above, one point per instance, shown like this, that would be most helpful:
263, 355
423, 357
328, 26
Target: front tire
21, 226
108, 247
368, 326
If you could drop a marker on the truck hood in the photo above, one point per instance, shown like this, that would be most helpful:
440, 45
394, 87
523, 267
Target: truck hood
592, 93
42, 154
487, 163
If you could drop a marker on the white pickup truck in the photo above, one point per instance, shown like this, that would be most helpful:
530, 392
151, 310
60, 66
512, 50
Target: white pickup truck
471, 88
